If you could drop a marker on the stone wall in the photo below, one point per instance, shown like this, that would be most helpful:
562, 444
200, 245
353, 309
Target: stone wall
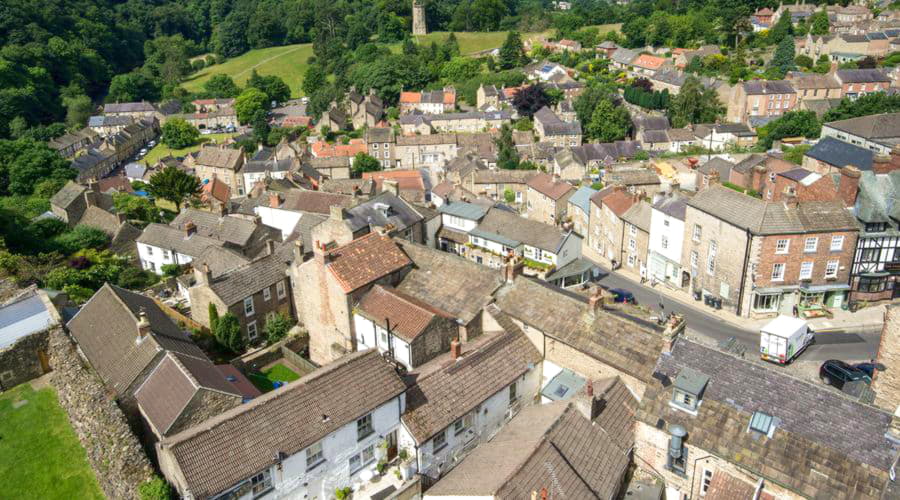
21, 361
887, 382
113, 451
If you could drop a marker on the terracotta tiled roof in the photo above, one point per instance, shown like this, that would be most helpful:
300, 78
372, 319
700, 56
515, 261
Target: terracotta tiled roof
618, 200
226, 449
410, 97
406, 179
215, 190
408, 316
724, 486
365, 260
547, 185
648, 61
322, 149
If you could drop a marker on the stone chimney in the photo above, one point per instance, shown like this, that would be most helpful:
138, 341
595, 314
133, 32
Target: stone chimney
791, 201
190, 229
338, 213
455, 349
143, 324
202, 275
121, 218
714, 177
849, 186
390, 186
595, 301
298, 252
94, 186
222, 208
90, 198
512, 267
882, 164
270, 247
674, 327
274, 200
591, 402
320, 252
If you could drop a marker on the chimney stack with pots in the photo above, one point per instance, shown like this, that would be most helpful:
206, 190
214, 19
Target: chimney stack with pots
274, 200
791, 201
455, 349
595, 301
202, 274
270, 247
512, 267
190, 229
298, 252
849, 186
390, 186
338, 212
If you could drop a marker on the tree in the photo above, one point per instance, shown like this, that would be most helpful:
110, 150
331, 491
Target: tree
248, 103
867, 62
260, 124
221, 86
277, 328
608, 122
365, 163
790, 124
783, 60
230, 37
228, 333
803, 61
178, 133
78, 109
314, 79
274, 87
507, 155
530, 99
79, 238
509, 195
24, 163
131, 87
155, 489
819, 24
213, 316
136, 207
512, 53
460, 69
869, 104
783, 29
174, 185
694, 104
589, 99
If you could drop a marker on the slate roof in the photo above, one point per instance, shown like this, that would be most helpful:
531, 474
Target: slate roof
608, 152
171, 238
234, 230
220, 157
862, 76
632, 177
762, 87
553, 446
365, 260
624, 56
878, 199
67, 194
379, 134
553, 125
245, 280
626, 343
655, 136
545, 184
749, 162
442, 396
717, 164
106, 331
639, 216
511, 228
462, 209
878, 128
672, 205
840, 154
174, 383
825, 445
408, 316
448, 282
23, 316
581, 198
383, 209
220, 452
312, 201
128, 107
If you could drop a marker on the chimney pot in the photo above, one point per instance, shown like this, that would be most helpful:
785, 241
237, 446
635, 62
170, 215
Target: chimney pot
590, 388
143, 324
455, 349
298, 252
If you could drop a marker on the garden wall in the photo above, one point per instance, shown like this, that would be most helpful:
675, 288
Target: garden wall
113, 451
21, 361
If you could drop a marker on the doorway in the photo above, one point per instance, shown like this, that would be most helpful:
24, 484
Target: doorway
392, 445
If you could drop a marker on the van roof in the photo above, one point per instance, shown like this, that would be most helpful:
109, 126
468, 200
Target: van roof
783, 324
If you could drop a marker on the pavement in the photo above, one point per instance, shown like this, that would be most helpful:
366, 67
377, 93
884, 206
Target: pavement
849, 336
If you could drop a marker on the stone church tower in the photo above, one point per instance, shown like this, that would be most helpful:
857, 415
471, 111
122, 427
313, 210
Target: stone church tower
418, 19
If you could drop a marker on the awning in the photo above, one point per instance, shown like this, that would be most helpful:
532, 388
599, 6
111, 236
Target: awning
825, 288
576, 267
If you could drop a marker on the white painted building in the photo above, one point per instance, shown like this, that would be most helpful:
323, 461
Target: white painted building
271, 449
667, 239
369, 335
279, 218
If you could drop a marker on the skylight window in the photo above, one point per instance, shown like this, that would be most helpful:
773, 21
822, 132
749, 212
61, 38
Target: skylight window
762, 422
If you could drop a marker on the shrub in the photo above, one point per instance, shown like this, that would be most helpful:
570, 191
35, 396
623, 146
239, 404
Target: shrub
277, 328
171, 270
228, 333
155, 489
79, 238
509, 195
342, 493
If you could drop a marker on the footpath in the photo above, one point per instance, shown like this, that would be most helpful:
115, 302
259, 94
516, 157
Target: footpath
869, 319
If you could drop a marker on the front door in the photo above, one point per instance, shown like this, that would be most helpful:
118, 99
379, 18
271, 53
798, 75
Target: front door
391, 446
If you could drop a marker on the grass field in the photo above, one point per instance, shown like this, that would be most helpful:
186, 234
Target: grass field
40, 453
161, 150
277, 373
289, 62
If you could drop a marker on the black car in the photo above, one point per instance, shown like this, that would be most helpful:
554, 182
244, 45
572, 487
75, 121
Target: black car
837, 373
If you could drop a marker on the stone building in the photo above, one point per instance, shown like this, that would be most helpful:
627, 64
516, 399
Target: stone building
223, 163
761, 98
605, 227
547, 198
254, 292
328, 286
636, 243
886, 383
711, 424
26, 320
429, 151
549, 127
420, 26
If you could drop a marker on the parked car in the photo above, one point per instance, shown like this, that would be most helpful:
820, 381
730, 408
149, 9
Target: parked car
622, 295
143, 151
836, 373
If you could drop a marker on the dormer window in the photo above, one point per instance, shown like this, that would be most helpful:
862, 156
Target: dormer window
688, 390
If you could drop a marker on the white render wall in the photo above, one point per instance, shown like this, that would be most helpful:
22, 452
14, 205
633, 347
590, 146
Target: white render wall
487, 419
283, 220
294, 481
153, 258
368, 335
674, 232
458, 223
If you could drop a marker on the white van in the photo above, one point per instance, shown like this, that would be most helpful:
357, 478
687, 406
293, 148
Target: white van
783, 339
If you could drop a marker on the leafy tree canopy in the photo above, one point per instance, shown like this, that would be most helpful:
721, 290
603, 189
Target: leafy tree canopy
174, 185
178, 133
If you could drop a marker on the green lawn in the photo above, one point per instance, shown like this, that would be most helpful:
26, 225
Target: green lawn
161, 150
277, 373
41, 456
289, 61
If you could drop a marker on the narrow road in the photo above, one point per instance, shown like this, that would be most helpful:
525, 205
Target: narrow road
849, 346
